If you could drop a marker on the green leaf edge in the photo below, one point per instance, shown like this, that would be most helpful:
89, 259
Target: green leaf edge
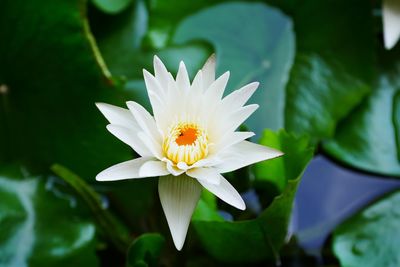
140, 260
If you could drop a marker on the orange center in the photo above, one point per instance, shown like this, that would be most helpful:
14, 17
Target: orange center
187, 137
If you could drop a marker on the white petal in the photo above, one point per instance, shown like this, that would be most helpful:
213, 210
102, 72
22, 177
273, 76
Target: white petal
145, 120
216, 89
210, 161
125, 170
150, 144
231, 139
160, 72
226, 192
152, 84
173, 169
243, 154
118, 116
209, 175
179, 197
237, 118
156, 95
391, 22
153, 168
239, 97
209, 71
175, 102
232, 122
182, 78
197, 84
130, 138
183, 166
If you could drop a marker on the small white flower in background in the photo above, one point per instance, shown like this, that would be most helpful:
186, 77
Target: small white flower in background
391, 22
190, 140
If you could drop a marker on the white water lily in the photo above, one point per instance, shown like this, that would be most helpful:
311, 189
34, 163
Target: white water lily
391, 22
190, 140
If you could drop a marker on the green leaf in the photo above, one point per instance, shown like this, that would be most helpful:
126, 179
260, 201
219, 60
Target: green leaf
371, 237
111, 6
396, 121
145, 250
320, 93
260, 238
283, 169
110, 226
54, 75
164, 16
40, 227
333, 66
367, 138
251, 51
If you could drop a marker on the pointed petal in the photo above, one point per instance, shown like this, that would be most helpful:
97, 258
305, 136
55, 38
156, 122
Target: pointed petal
130, 138
239, 97
216, 89
179, 196
125, 170
153, 168
160, 72
145, 120
231, 139
118, 116
209, 175
391, 22
197, 84
182, 78
237, 118
209, 71
152, 84
156, 95
243, 154
233, 121
226, 192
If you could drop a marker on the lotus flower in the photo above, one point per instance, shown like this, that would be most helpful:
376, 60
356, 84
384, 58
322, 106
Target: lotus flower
391, 22
189, 141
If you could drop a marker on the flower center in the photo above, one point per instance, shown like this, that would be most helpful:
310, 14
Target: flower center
187, 136
185, 142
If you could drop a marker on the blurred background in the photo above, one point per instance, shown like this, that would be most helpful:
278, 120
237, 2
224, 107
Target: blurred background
329, 97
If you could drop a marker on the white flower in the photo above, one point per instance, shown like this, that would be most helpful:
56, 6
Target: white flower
190, 140
391, 22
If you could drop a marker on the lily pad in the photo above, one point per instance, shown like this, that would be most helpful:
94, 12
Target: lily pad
396, 121
333, 67
320, 93
367, 138
260, 238
39, 228
145, 250
111, 6
164, 17
51, 77
371, 237
257, 49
